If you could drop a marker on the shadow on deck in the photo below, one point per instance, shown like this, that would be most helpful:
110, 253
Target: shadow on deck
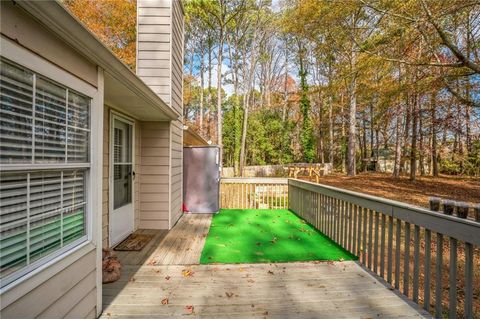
165, 280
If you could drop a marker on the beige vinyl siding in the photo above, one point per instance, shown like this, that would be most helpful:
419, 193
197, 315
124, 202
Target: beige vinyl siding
176, 196
153, 45
154, 178
160, 65
20, 27
70, 293
177, 104
177, 56
106, 175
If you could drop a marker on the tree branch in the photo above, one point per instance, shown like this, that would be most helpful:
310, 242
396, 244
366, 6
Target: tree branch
448, 43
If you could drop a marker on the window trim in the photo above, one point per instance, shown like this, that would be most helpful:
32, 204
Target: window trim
38, 65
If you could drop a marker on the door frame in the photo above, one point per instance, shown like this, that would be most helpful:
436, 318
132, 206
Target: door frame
121, 117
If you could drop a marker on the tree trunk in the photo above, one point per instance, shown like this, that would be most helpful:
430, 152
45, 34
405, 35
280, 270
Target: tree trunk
434, 135
398, 143
330, 131
342, 112
421, 152
364, 143
202, 84
413, 150
219, 94
352, 126
285, 86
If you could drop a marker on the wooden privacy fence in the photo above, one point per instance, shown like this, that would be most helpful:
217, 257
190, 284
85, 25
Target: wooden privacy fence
254, 193
424, 268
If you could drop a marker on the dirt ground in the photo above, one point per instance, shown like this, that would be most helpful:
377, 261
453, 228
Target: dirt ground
402, 189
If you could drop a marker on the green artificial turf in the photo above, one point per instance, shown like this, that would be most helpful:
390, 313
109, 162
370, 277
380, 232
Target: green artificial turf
264, 235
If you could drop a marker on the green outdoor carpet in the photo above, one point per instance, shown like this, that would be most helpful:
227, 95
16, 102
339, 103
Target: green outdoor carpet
265, 235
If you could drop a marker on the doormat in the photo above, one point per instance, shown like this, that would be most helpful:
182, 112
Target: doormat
134, 242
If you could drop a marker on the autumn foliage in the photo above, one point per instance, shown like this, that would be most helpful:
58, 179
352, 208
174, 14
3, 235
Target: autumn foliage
112, 21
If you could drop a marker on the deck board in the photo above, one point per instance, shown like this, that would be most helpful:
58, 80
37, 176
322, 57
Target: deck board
274, 290
292, 290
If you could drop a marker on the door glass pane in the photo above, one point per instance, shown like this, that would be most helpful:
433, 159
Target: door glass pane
122, 166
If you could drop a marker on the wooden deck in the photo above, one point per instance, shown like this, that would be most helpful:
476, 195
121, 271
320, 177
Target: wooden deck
165, 281
180, 246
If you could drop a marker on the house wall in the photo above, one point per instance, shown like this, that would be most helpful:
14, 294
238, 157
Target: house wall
176, 97
154, 177
71, 293
176, 100
65, 286
19, 26
176, 169
160, 65
106, 174
153, 47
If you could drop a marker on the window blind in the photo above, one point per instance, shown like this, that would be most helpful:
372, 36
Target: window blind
41, 121
42, 211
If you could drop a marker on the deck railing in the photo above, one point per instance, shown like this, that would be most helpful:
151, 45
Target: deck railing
379, 232
254, 193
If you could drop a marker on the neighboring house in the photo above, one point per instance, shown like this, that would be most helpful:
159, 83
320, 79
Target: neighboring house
89, 151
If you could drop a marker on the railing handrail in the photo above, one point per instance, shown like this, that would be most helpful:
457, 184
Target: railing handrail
255, 180
463, 229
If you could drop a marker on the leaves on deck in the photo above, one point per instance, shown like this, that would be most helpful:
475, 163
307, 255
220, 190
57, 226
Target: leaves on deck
229, 294
165, 301
190, 309
187, 273
167, 278
271, 272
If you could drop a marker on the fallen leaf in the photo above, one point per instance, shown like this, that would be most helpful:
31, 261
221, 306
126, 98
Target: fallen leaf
259, 244
167, 278
132, 279
253, 305
229, 294
190, 309
187, 273
152, 263
165, 301
251, 280
271, 272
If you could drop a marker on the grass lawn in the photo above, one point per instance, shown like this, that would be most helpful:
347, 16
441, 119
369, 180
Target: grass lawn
263, 235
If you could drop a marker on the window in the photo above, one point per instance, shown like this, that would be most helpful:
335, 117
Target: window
44, 158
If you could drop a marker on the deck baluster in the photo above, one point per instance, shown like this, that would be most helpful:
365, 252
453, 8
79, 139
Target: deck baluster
382, 247
416, 262
438, 277
453, 279
390, 250
406, 265
428, 261
468, 308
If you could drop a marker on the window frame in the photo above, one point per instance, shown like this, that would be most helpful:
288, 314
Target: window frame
40, 67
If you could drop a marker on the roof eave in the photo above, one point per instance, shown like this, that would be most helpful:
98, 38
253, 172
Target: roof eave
55, 16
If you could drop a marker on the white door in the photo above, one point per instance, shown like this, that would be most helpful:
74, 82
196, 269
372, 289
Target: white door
121, 176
